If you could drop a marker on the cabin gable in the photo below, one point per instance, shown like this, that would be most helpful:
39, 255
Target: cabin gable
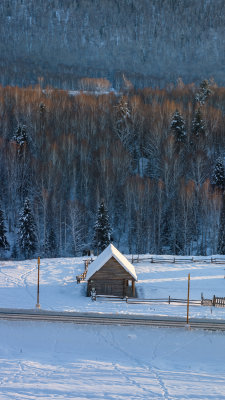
111, 270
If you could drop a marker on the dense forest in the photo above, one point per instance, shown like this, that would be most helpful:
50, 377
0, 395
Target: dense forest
154, 156
152, 42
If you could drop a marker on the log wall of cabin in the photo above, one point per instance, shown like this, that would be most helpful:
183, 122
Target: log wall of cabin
111, 279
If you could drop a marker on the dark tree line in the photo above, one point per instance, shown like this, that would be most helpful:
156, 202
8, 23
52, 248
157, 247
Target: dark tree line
156, 157
152, 42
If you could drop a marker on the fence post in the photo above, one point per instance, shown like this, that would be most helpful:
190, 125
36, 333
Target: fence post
169, 299
202, 299
214, 300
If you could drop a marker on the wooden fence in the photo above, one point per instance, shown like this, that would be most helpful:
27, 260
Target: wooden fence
218, 301
82, 276
173, 260
131, 300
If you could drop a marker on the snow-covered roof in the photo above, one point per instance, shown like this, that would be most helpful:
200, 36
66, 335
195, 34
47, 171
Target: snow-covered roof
105, 256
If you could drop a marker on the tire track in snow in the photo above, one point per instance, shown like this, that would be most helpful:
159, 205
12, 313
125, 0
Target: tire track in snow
10, 279
22, 282
24, 278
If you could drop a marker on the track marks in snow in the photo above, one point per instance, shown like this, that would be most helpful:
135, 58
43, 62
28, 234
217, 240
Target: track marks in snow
152, 378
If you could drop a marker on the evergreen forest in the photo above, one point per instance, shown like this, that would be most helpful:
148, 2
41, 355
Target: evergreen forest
155, 157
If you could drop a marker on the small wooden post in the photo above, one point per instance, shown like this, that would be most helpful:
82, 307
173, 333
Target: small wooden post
188, 299
133, 288
38, 304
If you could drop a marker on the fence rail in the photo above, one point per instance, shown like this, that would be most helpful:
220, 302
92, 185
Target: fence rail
168, 300
131, 300
174, 260
216, 301
82, 276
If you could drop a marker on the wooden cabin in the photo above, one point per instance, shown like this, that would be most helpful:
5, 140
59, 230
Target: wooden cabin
111, 274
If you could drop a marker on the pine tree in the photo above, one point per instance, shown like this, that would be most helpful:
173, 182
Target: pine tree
102, 229
177, 126
198, 125
123, 121
21, 138
203, 93
4, 245
218, 178
27, 235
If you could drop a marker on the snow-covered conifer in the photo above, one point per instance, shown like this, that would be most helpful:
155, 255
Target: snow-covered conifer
4, 245
102, 229
27, 234
122, 126
177, 126
203, 93
198, 125
21, 138
218, 178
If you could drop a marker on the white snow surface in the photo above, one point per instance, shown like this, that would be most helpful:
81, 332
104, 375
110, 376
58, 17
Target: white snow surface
40, 360
60, 291
105, 256
43, 361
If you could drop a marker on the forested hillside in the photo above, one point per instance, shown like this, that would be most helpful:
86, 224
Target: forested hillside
152, 42
154, 156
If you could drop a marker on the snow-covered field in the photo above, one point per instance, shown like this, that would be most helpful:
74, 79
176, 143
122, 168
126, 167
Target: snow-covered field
43, 361
59, 290
40, 360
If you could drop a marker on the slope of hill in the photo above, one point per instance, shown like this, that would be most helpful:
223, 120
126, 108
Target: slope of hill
152, 42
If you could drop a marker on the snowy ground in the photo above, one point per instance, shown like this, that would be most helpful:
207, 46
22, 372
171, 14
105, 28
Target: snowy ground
40, 360
59, 290
43, 361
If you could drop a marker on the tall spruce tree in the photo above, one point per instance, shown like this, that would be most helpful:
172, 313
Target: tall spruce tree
21, 138
203, 93
4, 245
198, 125
218, 178
102, 229
177, 126
27, 234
